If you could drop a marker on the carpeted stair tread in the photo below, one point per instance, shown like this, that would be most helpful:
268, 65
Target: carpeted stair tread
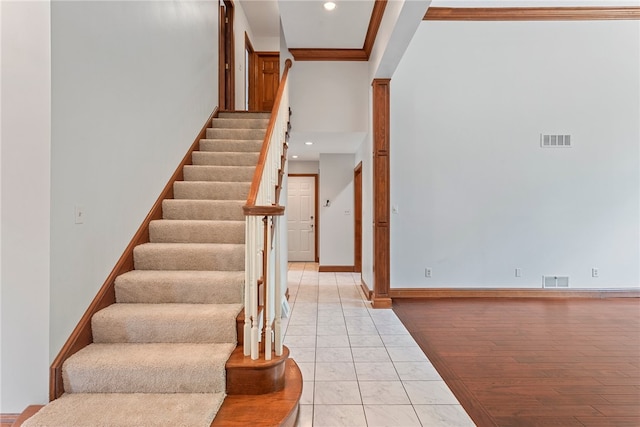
231, 146
215, 133
225, 158
205, 190
191, 287
129, 409
189, 256
203, 209
218, 173
194, 231
244, 114
147, 368
240, 123
168, 323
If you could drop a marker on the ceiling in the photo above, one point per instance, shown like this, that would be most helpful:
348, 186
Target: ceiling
306, 24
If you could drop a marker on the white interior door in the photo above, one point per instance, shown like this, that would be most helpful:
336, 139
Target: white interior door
301, 220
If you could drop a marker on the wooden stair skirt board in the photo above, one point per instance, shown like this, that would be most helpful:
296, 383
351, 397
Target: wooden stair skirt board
512, 293
336, 269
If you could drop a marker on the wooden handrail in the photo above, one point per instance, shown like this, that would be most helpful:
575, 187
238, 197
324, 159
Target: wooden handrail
257, 176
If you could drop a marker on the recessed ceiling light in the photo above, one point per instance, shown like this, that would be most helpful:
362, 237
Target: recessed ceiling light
308, 143
294, 157
329, 5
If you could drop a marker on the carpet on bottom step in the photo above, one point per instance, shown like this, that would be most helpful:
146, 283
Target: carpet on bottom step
126, 410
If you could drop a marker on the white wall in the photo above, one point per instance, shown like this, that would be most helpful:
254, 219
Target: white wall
304, 167
25, 141
336, 221
132, 83
477, 196
329, 96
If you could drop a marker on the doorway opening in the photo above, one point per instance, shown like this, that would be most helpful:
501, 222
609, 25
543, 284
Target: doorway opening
226, 78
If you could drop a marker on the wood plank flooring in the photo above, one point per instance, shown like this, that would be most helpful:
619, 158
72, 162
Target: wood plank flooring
534, 362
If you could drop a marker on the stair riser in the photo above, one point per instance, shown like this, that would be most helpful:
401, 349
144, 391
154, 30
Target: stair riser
203, 210
163, 231
240, 123
218, 173
193, 190
213, 133
244, 115
219, 145
187, 293
207, 158
197, 259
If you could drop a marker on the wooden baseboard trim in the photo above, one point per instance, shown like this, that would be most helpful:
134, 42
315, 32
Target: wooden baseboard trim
25, 415
82, 335
336, 268
512, 293
367, 292
381, 302
531, 13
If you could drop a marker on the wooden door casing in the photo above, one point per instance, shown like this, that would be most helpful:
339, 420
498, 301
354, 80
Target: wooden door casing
267, 80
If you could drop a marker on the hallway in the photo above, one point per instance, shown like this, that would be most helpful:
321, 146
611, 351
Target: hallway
360, 366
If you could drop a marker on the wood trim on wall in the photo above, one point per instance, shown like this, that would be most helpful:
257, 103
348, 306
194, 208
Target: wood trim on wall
354, 54
252, 71
226, 55
316, 210
357, 218
316, 54
335, 269
374, 25
365, 288
82, 335
381, 191
530, 13
512, 293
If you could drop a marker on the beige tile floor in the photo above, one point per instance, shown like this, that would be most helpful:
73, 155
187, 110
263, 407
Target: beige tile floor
360, 366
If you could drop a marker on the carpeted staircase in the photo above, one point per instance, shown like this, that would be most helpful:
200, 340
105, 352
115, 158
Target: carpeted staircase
158, 356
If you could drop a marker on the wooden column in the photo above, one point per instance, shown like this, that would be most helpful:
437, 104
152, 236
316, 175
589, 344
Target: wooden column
381, 190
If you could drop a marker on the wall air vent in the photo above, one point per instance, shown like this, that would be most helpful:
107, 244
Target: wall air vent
555, 141
555, 281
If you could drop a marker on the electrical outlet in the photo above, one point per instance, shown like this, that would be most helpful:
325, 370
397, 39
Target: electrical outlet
518, 272
595, 272
427, 272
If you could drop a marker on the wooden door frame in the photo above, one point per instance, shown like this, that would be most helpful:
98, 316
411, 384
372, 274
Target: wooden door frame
357, 216
316, 210
251, 71
226, 80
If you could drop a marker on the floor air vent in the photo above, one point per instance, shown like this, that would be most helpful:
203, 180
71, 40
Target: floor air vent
555, 281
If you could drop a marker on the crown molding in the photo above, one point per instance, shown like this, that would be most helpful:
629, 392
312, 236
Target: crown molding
327, 54
531, 13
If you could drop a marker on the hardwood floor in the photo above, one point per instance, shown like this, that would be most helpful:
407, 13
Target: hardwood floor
534, 362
